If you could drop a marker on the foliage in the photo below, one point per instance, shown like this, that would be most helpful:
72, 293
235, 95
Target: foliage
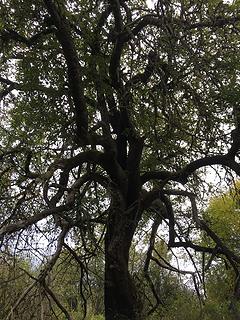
14, 281
223, 216
221, 288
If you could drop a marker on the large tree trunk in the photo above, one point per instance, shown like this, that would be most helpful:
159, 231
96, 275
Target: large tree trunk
121, 301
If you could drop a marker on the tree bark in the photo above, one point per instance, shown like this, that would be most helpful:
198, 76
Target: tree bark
121, 302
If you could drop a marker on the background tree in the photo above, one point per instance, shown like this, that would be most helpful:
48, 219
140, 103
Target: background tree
222, 286
15, 286
111, 114
222, 215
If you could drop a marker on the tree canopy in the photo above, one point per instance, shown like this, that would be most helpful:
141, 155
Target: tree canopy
113, 113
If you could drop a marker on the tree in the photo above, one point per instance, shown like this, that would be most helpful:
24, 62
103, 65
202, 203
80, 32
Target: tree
15, 285
112, 111
223, 217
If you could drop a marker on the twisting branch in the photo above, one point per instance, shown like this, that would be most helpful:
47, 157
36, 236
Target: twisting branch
20, 299
13, 85
50, 264
23, 224
115, 6
64, 37
144, 77
10, 34
201, 224
170, 216
114, 66
56, 300
155, 225
41, 279
183, 174
161, 21
169, 267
